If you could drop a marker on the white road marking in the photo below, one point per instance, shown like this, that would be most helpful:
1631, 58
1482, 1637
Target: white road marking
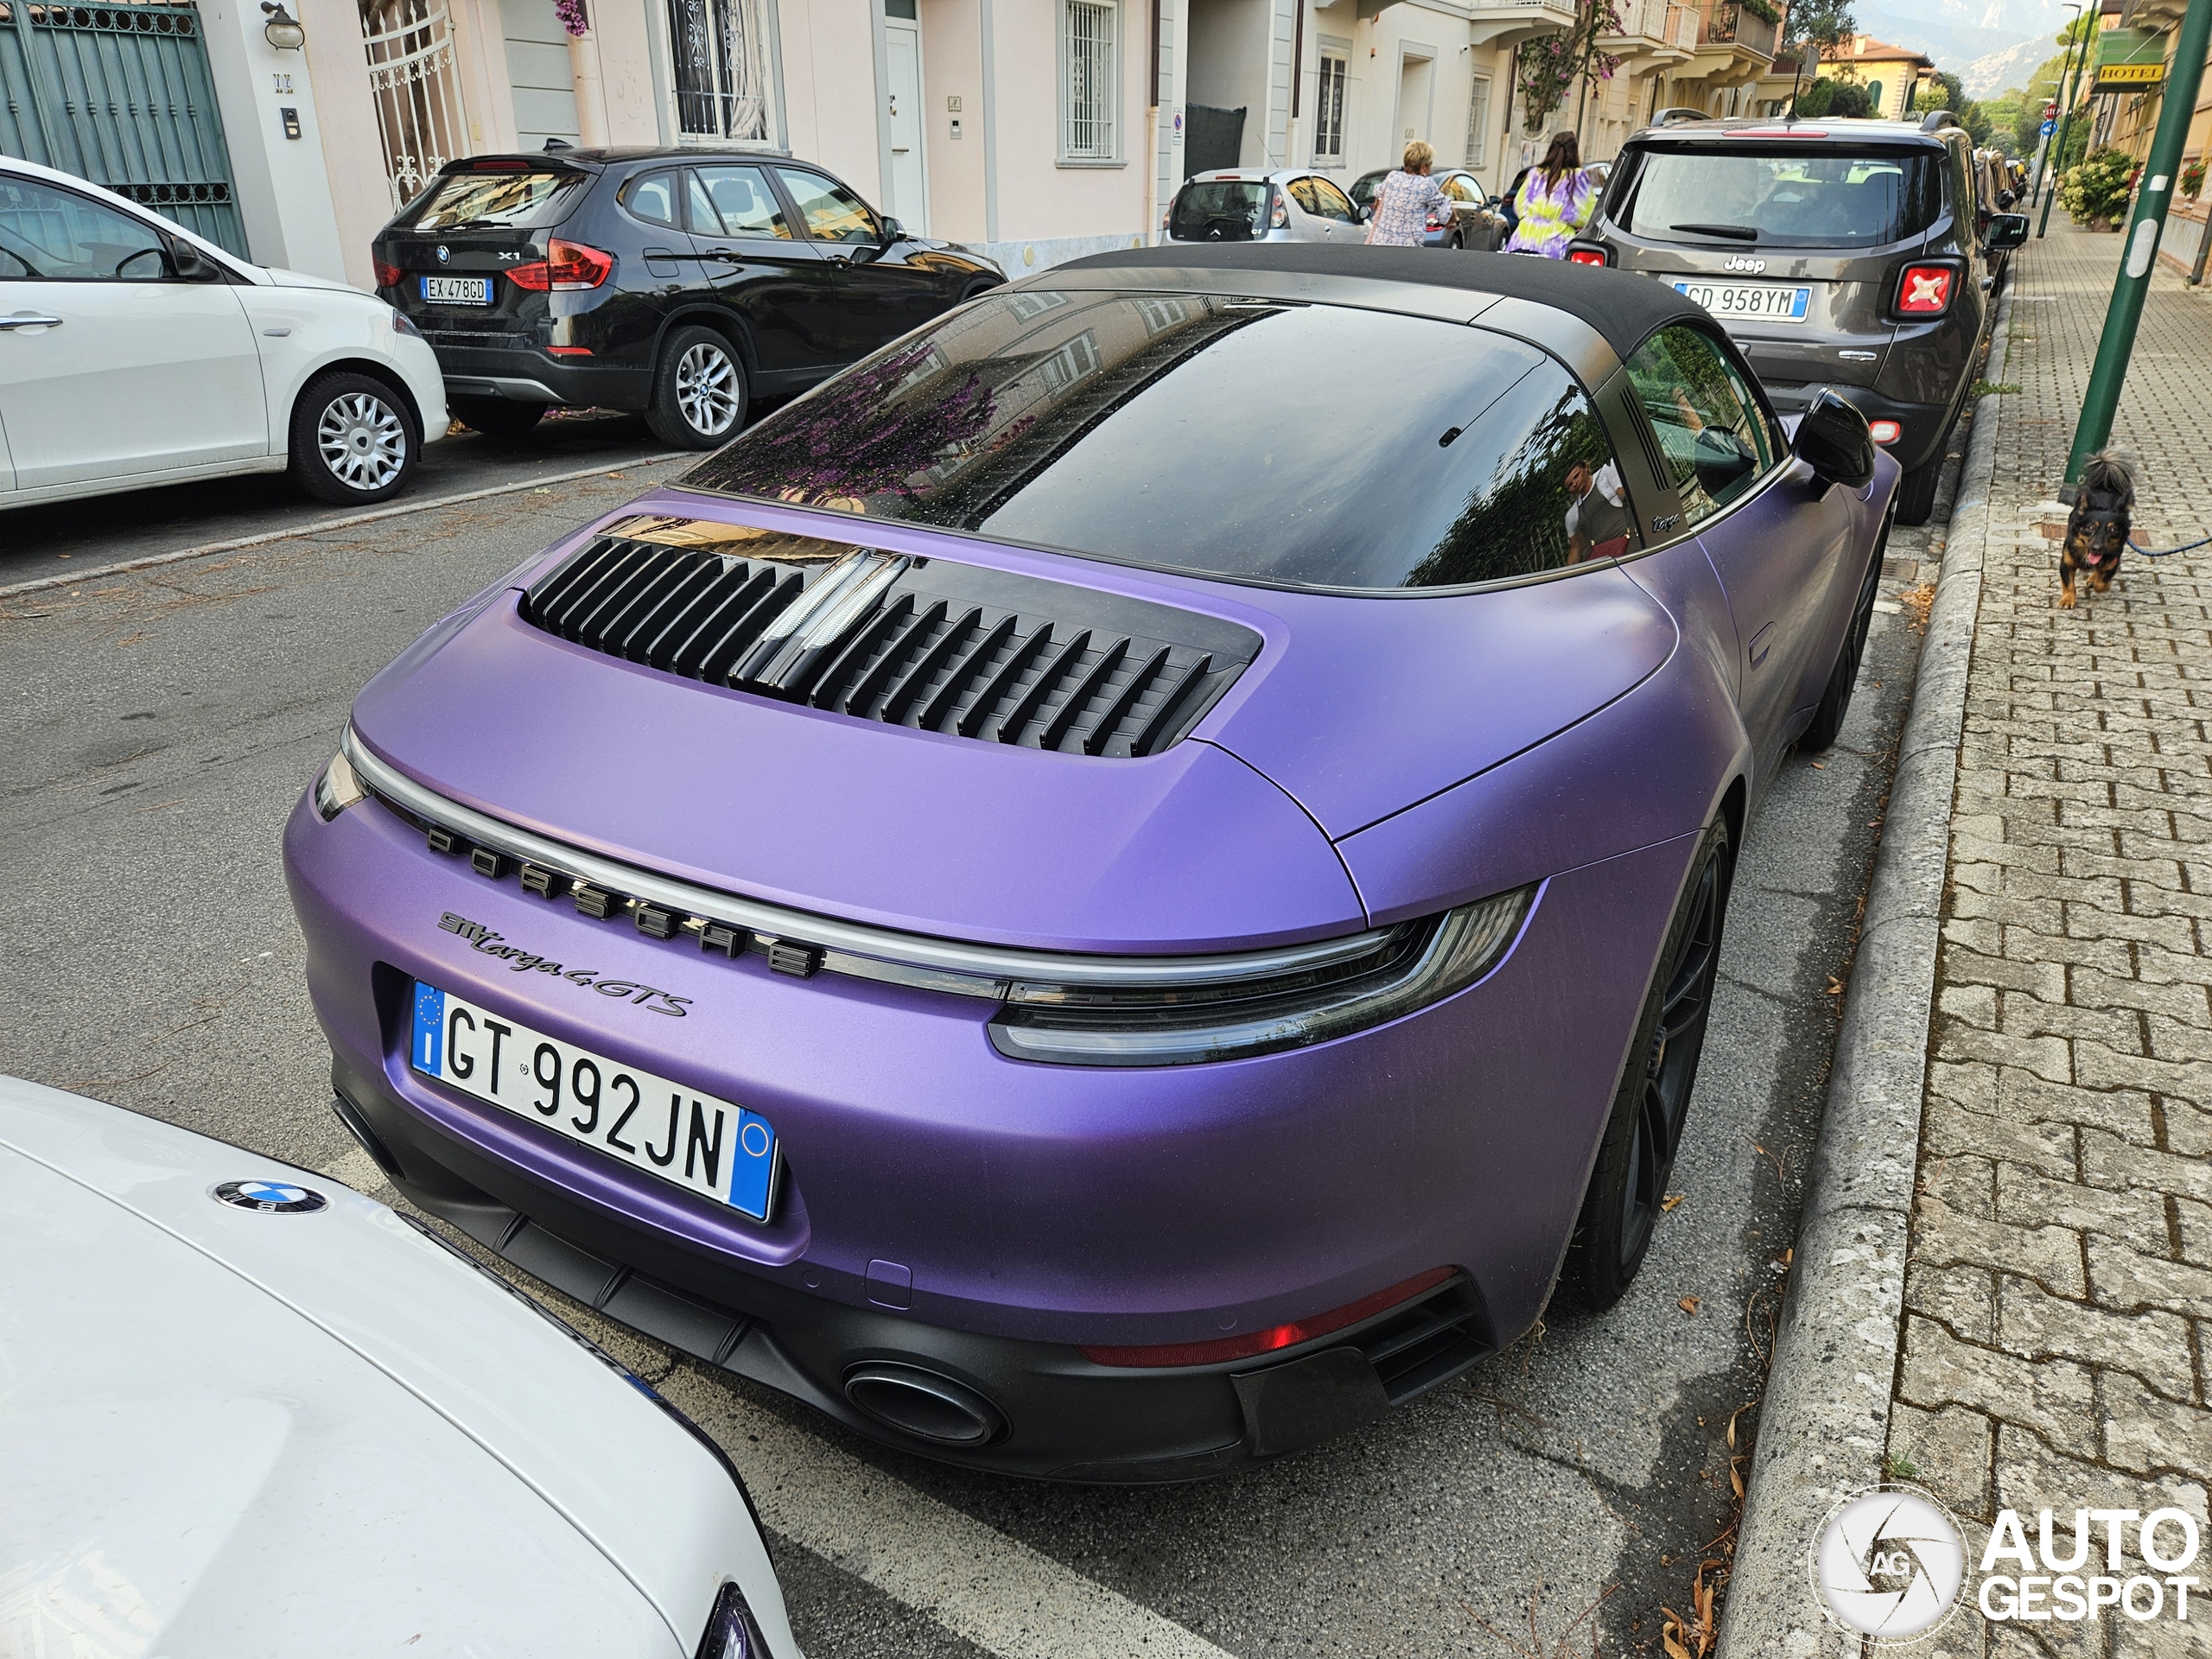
1888, 607
978, 1582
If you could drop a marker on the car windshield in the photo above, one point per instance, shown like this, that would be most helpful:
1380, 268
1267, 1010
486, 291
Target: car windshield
1365, 187
1788, 195
1181, 431
1221, 210
516, 198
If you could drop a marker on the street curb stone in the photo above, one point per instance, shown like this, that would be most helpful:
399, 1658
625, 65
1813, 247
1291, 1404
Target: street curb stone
1825, 1421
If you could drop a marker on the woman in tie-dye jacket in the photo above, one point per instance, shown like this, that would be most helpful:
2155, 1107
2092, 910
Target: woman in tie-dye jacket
1556, 200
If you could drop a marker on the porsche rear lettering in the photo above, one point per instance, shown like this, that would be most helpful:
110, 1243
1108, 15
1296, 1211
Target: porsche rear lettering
485, 941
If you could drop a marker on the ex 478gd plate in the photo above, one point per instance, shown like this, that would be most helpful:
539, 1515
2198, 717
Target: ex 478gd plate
706, 1145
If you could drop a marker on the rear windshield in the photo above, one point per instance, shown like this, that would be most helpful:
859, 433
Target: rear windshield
1185, 432
1783, 195
507, 199
1220, 210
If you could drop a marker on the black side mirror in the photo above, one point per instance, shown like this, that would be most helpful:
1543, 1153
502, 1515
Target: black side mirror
892, 232
1832, 440
188, 263
2005, 231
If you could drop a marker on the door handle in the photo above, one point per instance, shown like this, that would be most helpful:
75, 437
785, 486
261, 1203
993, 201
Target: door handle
29, 320
1761, 642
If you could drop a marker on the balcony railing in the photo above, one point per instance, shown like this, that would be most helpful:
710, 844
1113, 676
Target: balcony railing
1723, 22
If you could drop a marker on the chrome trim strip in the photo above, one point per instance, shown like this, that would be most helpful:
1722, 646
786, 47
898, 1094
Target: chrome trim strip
850, 947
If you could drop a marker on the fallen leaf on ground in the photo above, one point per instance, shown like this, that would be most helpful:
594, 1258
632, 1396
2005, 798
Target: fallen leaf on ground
1672, 1201
1689, 1304
1819, 765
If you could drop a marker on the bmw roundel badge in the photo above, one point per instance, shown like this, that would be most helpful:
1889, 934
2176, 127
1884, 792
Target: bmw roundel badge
443, 254
270, 1198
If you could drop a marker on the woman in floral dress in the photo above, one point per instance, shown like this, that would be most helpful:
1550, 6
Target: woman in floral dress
1403, 204
1555, 201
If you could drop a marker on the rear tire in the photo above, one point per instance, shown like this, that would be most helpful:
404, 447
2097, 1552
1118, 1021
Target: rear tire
1916, 495
1627, 1188
353, 441
699, 392
495, 418
1843, 678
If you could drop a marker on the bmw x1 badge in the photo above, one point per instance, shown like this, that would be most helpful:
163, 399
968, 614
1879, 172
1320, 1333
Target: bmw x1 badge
270, 1198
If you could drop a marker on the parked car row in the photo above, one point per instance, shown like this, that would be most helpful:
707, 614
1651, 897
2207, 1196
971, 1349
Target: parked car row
683, 284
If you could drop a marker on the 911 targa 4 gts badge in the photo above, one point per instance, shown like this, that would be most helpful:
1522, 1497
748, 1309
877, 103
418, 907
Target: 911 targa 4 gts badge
483, 940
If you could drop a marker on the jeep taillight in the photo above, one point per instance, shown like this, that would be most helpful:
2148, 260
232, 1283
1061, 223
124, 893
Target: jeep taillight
1585, 255
1925, 291
567, 265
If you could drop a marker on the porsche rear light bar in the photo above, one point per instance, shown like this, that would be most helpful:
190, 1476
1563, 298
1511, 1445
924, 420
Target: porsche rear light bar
1275, 1336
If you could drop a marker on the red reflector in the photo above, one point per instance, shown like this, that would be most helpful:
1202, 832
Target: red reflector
1585, 257
1885, 431
1275, 1336
387, 276
1925, 291
498, 167
1778, 133
569, 350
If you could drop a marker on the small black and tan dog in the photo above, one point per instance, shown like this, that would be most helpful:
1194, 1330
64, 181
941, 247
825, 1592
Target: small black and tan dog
2096, 530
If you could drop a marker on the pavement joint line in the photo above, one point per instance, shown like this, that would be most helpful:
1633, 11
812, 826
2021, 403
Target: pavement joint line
207, 549
1824, 1422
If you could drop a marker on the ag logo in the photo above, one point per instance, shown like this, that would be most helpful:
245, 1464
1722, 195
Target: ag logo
1888, 1563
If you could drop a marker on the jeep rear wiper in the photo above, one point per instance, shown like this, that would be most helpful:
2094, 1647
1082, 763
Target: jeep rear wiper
1738, 232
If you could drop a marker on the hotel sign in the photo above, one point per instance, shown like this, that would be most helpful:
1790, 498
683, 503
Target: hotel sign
2130, 61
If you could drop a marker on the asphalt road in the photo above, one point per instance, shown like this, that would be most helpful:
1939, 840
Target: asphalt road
157, 728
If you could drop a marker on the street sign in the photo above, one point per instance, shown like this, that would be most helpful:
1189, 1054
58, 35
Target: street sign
2049, 127
2130, 61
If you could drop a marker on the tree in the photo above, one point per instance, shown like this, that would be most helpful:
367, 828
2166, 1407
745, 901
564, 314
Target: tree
1551, 64
1835, 100
1813, 27
1945, 92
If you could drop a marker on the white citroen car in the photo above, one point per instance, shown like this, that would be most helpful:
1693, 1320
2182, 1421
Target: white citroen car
245, 1412
133, 352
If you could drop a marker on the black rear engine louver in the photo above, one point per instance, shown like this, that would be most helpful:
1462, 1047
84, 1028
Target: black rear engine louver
923, 643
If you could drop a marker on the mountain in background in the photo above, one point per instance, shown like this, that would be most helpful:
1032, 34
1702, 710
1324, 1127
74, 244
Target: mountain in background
2008, 70
1990, 46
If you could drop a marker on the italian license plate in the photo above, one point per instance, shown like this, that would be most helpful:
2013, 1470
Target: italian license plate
706, 1145
1768, 302
457, 290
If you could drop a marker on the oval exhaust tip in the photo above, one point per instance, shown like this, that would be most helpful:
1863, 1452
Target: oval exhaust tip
923, 1404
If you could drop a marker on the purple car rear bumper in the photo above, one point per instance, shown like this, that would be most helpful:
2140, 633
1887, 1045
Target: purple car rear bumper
975, 1217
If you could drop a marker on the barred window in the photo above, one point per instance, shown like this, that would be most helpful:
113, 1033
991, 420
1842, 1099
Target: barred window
1087, 80
1329, 110
723, 78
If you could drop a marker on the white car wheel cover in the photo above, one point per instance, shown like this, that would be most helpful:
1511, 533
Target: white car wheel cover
362, 439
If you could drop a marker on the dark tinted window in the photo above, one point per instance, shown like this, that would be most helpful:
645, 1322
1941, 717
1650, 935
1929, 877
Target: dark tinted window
1709, 424
1784, 195
516, 197
1186, 432
1219, 210
653, 198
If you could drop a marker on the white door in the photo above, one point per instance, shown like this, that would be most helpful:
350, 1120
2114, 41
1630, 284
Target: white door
108, 366
1416, 87
909, 179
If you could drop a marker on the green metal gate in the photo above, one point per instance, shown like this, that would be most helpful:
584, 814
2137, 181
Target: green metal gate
120, 95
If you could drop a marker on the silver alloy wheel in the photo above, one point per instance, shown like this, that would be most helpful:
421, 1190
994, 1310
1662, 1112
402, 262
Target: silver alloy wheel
363, 441
706, 390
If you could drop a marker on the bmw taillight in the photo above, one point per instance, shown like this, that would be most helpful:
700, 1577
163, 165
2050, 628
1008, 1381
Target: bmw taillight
567, 266
387, 276
1925, 291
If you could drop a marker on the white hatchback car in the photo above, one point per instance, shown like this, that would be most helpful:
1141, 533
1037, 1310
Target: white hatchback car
248, 1414
133, 352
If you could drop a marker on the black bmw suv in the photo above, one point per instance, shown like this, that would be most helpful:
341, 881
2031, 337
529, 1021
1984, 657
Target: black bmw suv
1854, 254
680, 283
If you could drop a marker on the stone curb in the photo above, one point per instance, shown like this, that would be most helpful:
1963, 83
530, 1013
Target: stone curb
1825, 1422
316, 527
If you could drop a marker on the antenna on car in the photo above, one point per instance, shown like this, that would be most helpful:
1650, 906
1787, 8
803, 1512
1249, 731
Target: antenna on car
558, 143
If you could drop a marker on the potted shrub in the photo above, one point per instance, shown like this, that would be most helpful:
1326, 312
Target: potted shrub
2095, 193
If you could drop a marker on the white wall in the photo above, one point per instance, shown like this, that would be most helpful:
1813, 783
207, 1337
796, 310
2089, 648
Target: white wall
283, 190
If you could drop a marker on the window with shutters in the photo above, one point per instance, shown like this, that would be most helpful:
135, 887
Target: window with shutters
1088, 90
1329, 110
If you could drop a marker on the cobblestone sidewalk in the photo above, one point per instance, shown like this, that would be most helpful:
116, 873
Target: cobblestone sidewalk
2059, 1283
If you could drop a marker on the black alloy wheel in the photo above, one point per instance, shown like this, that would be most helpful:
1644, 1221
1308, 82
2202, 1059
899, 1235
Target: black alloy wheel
1627, 1188
496, 418
1843, 678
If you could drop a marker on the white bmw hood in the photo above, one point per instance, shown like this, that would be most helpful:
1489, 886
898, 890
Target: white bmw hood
225, 1432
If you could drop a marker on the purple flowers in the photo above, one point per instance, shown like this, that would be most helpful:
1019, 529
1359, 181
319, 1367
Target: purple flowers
571, 14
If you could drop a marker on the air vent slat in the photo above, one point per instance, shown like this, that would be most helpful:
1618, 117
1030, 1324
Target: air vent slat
879, 674
926, 641
1048, 677
1163, 717
957, 680
1002, 682
1107, 726
1071, 705
916, 680
873, 631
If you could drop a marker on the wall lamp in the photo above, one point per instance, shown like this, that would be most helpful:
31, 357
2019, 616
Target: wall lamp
283, 30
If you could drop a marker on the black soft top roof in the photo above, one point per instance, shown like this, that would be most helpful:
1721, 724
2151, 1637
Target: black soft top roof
1620, 305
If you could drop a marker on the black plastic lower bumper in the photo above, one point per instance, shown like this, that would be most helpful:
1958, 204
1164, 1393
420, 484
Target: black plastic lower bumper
1922, 427
990, 1402
519, 374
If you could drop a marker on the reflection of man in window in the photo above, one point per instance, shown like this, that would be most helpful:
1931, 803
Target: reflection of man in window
1597, 517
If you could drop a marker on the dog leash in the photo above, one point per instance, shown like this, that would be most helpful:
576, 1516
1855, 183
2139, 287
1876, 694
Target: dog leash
2167, 552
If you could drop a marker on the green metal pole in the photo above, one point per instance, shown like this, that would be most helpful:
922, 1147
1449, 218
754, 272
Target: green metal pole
2175, 106
2058, 161
2045, 152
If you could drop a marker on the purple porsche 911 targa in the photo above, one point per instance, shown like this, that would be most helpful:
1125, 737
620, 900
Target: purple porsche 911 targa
1129, 883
